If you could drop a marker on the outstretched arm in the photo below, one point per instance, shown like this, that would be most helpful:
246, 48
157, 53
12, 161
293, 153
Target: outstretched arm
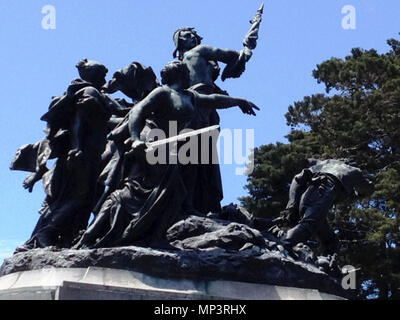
223, 55
218, 101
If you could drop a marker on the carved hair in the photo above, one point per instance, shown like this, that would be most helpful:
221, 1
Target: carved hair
91, 71
135, 81
174, 72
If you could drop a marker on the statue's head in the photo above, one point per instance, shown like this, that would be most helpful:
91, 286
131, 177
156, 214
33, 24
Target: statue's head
93, 72
185, 39
175, 72
136, 81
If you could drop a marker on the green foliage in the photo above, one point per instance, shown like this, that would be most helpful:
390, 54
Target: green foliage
358, 118
275, 166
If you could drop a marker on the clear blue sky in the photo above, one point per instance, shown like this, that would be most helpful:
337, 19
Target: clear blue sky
37, 64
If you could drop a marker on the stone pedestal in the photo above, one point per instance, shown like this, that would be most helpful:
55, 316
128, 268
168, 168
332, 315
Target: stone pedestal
146, 273
113, 284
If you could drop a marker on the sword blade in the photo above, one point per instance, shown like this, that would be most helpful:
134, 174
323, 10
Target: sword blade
182, 136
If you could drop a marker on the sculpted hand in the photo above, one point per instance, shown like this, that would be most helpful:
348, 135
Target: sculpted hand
248, 107
29, 182
139, 146
138, 149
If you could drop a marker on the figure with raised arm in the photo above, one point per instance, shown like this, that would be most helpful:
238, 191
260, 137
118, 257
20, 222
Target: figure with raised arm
202, 62
152, 195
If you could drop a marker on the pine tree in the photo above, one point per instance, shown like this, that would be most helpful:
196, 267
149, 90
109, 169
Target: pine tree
358, 117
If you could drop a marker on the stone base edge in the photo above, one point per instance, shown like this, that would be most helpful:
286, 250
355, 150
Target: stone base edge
113, 284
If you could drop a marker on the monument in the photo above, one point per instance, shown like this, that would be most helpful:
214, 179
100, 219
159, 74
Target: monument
159, 231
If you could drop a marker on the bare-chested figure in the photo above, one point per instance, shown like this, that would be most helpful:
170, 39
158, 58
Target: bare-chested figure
202, 62
152, 195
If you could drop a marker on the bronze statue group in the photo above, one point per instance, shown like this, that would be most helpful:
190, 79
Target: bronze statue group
99, 144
